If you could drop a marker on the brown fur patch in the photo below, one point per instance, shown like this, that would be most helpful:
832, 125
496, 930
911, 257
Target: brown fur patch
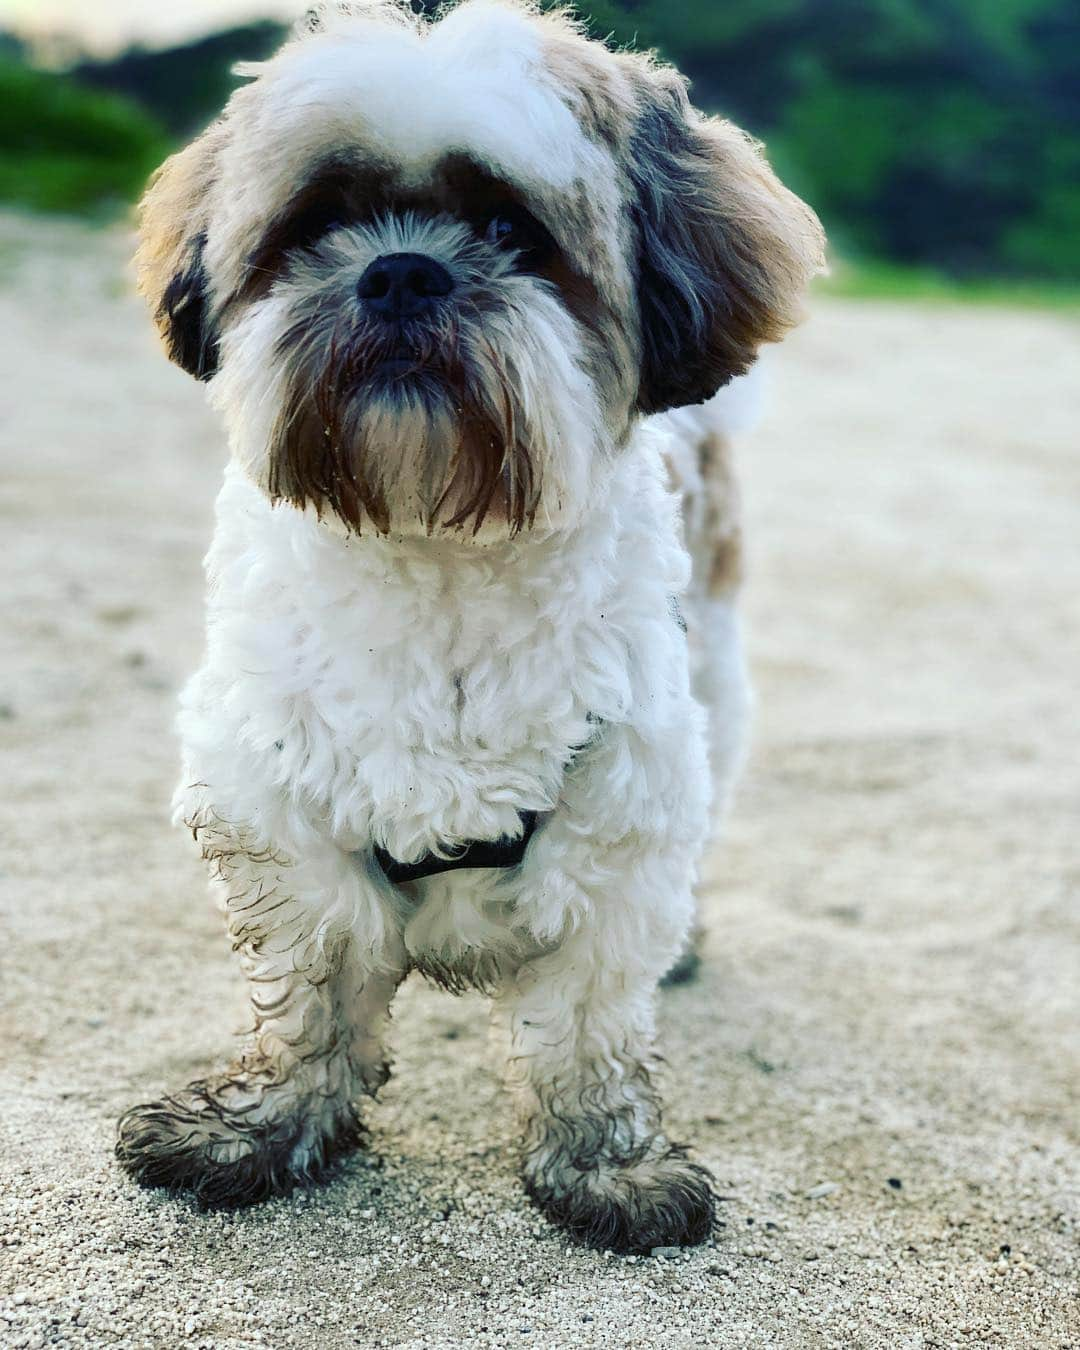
589, 81
722, 518
168, 262
725, 250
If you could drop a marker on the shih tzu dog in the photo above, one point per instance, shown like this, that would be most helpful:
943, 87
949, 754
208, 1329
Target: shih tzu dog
467, 707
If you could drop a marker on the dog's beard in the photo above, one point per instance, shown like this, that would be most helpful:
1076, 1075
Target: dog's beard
382, 421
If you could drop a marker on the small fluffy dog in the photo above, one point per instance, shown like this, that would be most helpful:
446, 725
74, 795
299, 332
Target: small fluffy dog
438, 275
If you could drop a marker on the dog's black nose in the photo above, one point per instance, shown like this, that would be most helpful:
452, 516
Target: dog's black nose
402, 285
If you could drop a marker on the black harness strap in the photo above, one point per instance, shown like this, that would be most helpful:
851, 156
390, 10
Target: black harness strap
502, 852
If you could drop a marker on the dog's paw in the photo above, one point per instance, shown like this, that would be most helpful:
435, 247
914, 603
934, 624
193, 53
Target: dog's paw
229, 1158
665, 1201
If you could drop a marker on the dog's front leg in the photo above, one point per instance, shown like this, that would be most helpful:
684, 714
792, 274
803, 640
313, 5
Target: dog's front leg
579, 1025
323, 960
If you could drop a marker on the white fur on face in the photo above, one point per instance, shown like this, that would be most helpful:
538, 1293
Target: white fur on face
470, 81
409, 96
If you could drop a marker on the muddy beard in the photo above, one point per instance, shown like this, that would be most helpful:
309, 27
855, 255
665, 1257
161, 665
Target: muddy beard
375, 415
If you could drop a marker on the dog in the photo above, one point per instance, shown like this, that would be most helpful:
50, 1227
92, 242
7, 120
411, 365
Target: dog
467, 705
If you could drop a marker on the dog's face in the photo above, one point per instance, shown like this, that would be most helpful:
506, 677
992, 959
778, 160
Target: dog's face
437, 270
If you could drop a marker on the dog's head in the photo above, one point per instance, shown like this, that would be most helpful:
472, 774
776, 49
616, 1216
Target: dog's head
436, 270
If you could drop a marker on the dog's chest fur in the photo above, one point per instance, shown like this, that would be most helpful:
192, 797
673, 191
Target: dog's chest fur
417, 695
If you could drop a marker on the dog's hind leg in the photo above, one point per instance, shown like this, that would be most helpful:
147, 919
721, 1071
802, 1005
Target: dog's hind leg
323, 961
703, 474
688, 962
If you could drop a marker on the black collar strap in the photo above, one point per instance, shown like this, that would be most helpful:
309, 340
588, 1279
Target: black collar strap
502, 852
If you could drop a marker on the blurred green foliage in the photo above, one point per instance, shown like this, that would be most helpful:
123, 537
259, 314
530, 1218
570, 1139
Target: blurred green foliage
927, 132
185, 86
942, 135
66, 148
875, 280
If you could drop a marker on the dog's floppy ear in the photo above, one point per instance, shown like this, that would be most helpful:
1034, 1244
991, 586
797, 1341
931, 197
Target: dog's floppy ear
725, 251
169, 260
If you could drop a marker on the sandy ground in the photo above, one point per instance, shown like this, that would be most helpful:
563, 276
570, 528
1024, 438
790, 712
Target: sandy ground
880, 1059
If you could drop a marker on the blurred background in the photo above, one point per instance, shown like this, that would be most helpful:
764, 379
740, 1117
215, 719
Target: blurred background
938, 139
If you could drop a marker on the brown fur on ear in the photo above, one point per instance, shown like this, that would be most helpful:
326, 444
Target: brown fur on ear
725, 250
169, 261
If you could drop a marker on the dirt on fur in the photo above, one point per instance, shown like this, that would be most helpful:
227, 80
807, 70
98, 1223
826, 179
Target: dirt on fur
880, 1059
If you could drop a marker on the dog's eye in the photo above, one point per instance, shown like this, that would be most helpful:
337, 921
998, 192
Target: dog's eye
512, 228
314, 224
304, 224
500, 230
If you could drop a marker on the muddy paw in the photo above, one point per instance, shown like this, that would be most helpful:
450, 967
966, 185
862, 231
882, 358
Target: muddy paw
662, 1202
227, 1158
